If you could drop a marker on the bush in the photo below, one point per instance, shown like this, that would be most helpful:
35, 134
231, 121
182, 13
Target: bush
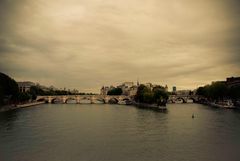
115, 91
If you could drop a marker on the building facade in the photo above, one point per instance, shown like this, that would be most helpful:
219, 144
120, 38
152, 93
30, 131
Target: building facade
128, 89
25, 86
233, 81
174, 89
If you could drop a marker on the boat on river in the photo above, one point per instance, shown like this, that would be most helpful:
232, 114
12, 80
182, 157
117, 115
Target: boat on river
228, 104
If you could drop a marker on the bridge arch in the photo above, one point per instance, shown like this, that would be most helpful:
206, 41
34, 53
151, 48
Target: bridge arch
85, 100
191, 98
113, 100
56, 100
181, 98
41, 100
127, 101
71, 99
99, 100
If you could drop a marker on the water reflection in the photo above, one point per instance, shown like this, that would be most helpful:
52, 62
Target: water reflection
7, 119
117, 132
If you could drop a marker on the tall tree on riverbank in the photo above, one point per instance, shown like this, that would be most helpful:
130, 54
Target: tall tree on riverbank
8, 89
219, 91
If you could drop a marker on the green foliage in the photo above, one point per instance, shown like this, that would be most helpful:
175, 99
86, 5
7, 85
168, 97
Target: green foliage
235, 92
219, 91
115, 91
23, 97
146, 95
160, 93
35, 90
8, 88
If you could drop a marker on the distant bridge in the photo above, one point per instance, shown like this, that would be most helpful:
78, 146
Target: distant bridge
85, 98
117, 99
183, 98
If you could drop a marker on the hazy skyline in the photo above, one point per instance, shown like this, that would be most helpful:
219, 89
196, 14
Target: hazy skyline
85, 44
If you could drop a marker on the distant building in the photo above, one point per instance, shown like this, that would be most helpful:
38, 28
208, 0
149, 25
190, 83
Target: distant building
174, 89
128, 89
149, 85
233, 81
74, 91
25, 86
133, 90
183, 92
104, 90
53, 88
166, 88
128, 84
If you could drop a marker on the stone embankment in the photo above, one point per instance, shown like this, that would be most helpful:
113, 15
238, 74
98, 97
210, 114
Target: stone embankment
13, 107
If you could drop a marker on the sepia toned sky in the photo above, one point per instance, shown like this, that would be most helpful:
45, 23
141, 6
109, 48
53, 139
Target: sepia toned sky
86, 44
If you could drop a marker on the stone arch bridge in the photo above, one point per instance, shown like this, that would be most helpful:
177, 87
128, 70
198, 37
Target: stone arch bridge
184, 98
119, 99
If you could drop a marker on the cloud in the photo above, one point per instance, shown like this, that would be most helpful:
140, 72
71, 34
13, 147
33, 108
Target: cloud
89, 43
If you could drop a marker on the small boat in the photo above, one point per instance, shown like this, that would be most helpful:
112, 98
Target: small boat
228, 104
193, 116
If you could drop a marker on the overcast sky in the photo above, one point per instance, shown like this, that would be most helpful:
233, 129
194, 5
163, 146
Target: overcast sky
86, 44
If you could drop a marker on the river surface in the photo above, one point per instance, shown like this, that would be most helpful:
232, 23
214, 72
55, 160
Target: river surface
100, 132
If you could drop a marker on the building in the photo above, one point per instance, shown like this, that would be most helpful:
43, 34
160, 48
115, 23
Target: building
104, 90
174, 89
25, 86
133, 91
128, 89
149, 85
183, 92
233, 81
166, 88
128, 84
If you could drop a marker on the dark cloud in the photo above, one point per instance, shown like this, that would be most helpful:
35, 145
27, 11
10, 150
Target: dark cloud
89, 43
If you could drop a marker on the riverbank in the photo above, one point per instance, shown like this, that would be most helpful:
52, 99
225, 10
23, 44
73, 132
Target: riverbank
150, 106
219, 105
13, 107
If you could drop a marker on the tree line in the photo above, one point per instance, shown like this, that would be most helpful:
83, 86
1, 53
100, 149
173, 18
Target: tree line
219, 91
9, 92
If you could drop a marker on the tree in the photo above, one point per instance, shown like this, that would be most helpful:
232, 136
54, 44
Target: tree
235, 92
115, 91
148, 97
216, 91
8, 88
23, 97
139, 97
157, 95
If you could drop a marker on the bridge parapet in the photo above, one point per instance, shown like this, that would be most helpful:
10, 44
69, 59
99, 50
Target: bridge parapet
79, 98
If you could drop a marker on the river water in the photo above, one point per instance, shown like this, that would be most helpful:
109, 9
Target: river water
101, 132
